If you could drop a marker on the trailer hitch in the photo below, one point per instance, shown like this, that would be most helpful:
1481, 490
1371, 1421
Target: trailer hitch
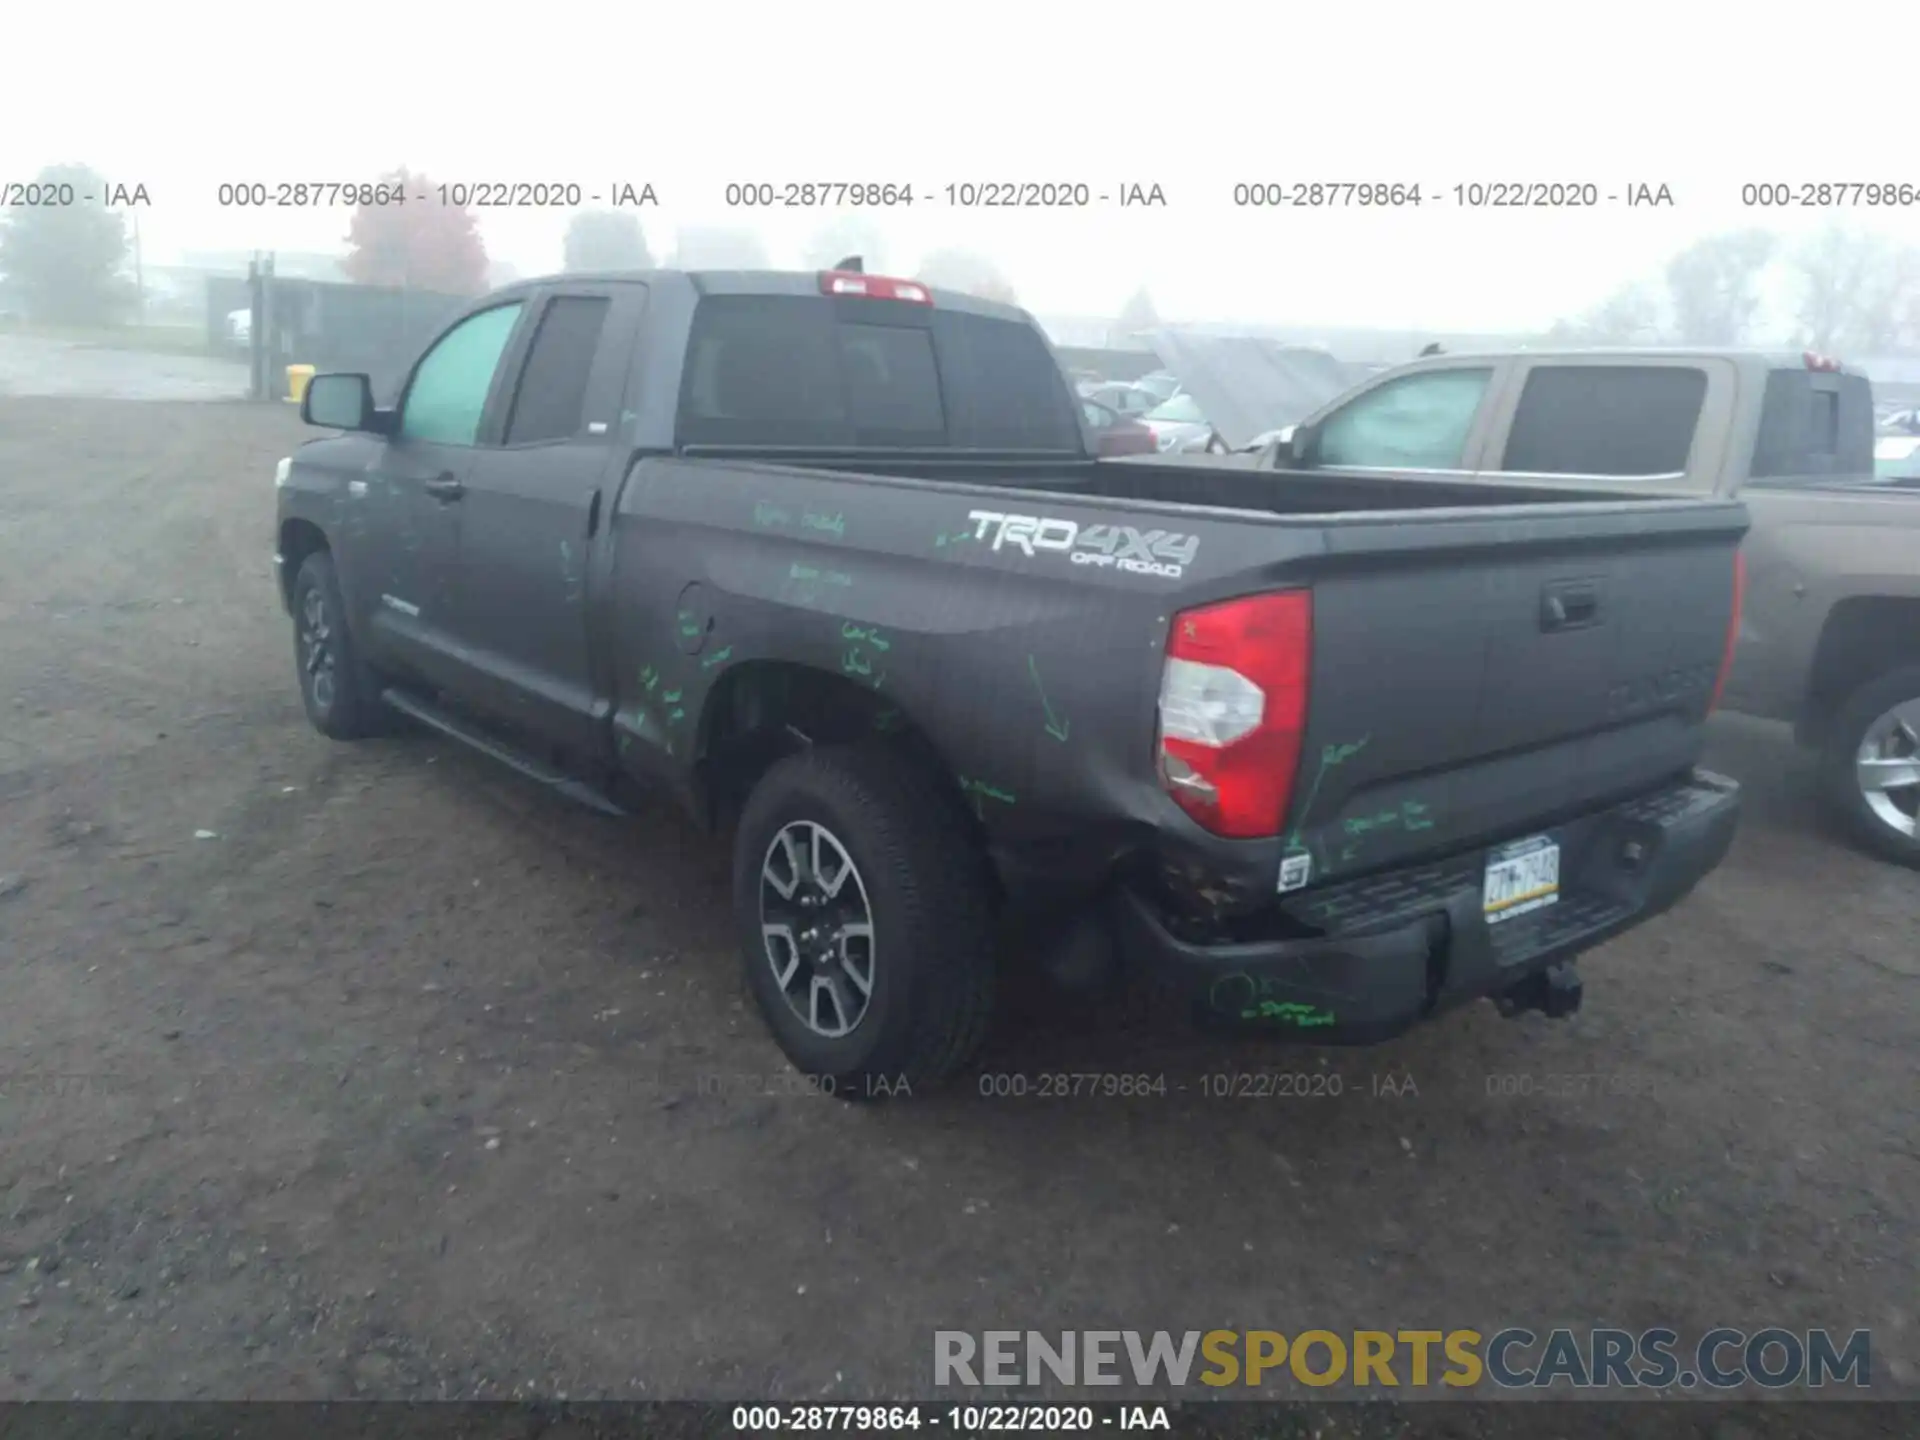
1554, 992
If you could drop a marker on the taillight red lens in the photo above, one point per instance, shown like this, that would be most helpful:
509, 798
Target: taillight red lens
1233, 708
1733, 629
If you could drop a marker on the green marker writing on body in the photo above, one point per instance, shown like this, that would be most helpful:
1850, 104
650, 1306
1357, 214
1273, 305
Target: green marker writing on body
1301, 1017
985, 791
813, 576
835, 525
1331, 757
1055, 726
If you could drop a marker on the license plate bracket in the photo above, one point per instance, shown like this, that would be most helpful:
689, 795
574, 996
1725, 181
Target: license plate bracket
1521, 877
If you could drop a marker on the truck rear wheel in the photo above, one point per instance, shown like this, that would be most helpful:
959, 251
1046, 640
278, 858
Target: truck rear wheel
340, 693
1872, 765
865, 908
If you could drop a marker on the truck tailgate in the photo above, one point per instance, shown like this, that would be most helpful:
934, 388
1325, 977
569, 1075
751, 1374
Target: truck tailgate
1479, 675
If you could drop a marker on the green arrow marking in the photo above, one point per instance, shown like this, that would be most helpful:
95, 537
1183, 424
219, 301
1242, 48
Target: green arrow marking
1056, 727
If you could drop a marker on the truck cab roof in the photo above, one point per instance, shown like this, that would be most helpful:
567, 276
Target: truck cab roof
807, 363
1740, 355
747, 282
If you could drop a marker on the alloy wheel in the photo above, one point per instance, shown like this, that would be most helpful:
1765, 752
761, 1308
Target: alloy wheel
1887, 768
817, 928
314, 637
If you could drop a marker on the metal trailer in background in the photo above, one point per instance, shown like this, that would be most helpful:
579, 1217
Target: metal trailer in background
326, 324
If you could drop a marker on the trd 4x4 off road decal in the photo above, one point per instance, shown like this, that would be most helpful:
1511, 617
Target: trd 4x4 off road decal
1117, 547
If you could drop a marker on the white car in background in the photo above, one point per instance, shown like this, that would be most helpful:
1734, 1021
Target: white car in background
1179, 425
1897, 457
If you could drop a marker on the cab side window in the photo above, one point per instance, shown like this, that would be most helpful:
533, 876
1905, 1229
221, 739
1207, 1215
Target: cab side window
552, 399
1418, 422
448, 394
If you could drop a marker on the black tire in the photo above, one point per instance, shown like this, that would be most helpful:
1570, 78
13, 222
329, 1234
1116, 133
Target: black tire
929, 891
1849, 802
340, 692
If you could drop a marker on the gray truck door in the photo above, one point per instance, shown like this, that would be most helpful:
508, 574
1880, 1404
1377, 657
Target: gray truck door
412, 495
538, 516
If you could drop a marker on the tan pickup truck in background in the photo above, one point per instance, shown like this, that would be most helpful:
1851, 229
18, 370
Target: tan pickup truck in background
1830, 640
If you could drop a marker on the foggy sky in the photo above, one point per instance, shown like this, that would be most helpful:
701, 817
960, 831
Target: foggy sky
1701, 97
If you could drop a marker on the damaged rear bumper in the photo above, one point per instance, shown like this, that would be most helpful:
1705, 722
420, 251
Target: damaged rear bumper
1362, 961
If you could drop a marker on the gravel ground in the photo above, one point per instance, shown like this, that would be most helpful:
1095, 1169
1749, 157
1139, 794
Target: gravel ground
34, 365
355, 1071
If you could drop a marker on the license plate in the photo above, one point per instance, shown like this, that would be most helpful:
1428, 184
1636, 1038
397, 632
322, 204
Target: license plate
1522, 876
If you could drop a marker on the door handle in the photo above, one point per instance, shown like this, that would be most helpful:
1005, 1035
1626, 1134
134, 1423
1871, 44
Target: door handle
593, 515
444, 487
1569, 606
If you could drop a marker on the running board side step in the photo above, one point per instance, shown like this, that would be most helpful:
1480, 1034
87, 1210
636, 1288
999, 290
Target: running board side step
469, 734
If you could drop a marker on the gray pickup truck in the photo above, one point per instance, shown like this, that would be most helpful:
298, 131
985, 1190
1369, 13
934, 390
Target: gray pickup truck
1830, 635
829, 560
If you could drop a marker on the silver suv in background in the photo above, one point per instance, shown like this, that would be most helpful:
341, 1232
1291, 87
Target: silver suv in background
1830, 639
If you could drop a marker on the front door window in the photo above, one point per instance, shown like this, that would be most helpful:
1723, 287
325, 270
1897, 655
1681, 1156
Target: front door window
450, 385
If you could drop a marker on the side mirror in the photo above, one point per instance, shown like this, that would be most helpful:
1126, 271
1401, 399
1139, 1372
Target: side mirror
1303, 447
340, 402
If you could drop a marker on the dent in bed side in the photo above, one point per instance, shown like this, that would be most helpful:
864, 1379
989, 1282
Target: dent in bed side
801, 602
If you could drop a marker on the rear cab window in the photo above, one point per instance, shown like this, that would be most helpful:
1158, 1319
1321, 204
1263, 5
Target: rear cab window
1619, 421
1813, 425
809, 372
550, 402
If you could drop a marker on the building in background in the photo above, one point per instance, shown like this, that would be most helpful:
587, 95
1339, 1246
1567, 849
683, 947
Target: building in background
177, 291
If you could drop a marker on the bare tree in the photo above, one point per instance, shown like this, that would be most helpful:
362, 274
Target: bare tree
709, 248
845, 235
1857, 291
965, 271
1136, 315
1629, 316
606, 240
1714, 286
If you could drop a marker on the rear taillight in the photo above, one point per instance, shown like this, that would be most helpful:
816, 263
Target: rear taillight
1233, 706
873, 287
1825, 364
1733, 629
